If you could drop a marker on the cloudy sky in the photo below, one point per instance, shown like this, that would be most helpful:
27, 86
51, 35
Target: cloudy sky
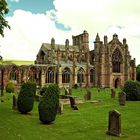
36, 21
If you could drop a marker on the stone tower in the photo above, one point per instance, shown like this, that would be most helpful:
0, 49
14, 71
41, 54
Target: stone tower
112, 62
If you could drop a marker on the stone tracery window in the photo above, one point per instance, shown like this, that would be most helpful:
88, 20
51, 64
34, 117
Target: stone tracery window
116, 61
91, 76
14, 74
42, 57
66, 75
32, 74
50, 74
80, 76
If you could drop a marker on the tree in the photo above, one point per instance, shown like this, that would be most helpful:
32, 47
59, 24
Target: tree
138, 72
3, 11
49, 104
26, 96
132, 90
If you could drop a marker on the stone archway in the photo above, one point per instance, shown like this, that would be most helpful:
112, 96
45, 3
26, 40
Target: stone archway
117, 83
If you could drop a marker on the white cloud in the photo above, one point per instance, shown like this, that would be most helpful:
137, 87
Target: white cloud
28, 32
105, 17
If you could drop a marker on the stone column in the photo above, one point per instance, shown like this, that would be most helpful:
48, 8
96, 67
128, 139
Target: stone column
59, 76
43, 77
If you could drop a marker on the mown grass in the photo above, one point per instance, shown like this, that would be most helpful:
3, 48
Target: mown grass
18, 62
90, 122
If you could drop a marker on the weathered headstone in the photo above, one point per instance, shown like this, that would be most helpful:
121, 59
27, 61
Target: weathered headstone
98, 89
72, 103
60, 108
113, 93
114, 124
14, 102
70, 90
122, 98
87, 96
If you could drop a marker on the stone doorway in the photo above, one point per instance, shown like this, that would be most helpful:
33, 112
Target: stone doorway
117, 83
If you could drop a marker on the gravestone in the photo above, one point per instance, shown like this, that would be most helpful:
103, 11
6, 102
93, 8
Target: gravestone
70, 90
122, 98
114, 124
87, 96
14, 102
113, 93
60, 108
72, 103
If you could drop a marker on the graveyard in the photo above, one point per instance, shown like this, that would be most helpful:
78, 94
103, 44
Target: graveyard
89, 122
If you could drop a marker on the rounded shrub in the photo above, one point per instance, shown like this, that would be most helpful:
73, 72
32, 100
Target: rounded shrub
132, 90
26, 96
10, 87
49, 104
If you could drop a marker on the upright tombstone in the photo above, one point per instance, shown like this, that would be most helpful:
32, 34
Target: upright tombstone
72, 103
87, 96
112, 93
122, 98
14, 102
60, 108
114, 124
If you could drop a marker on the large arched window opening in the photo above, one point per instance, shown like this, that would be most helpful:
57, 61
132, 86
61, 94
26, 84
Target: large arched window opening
42, 57
50, 75
14, 74
80, 76
91, 76
116, 61
33, 76
66, 75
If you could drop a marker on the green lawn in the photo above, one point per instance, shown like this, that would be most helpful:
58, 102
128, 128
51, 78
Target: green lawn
90, 122
18, 62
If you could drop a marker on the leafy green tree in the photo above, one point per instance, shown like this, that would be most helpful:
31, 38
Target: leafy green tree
10, 87
132, 90
26, 97
49, 104
138, 72
3, 11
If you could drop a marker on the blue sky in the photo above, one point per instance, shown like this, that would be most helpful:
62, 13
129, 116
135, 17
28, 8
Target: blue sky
35, 6
36, 21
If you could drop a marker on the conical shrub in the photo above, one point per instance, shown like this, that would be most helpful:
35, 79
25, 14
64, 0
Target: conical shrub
26, 96
49, 104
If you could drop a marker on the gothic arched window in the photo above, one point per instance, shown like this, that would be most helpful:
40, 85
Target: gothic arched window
91, 75
50, 75
32, 74
66, 75
80, 76
14, 73
116, 61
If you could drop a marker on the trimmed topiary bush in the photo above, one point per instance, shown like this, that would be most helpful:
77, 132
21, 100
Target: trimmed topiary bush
26, 97
132, 90
49, 104
10, 87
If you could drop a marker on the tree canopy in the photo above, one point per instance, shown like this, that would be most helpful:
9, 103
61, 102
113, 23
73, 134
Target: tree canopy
3, 11
138, 72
